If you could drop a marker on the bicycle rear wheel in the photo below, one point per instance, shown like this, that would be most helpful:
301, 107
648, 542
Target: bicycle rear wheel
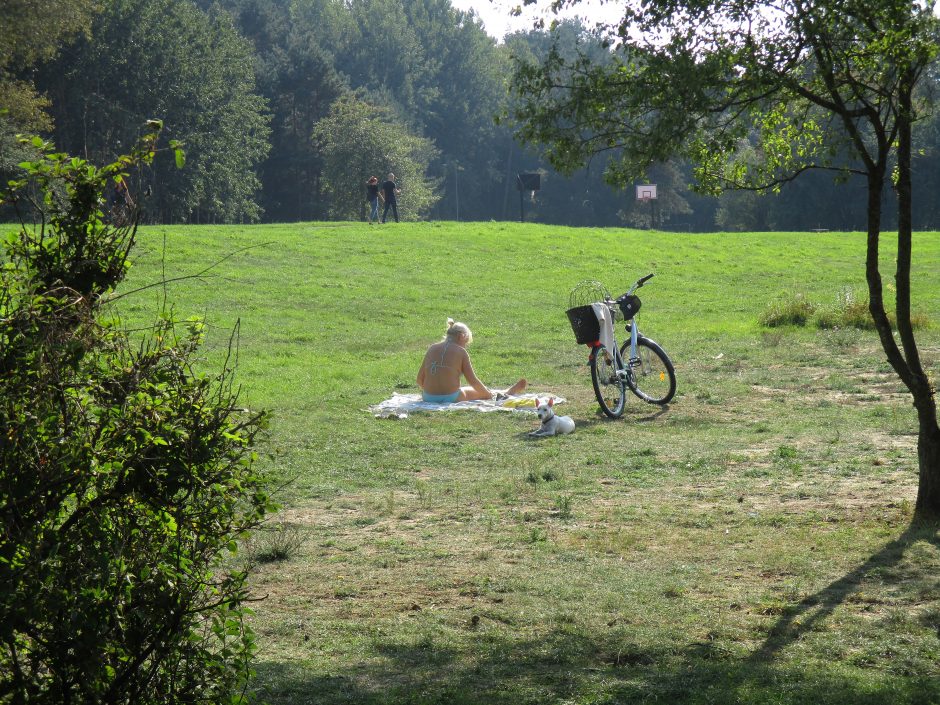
652, 377
609, 387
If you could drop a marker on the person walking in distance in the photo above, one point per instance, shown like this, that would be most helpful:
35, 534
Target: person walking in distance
390, 193
372, 196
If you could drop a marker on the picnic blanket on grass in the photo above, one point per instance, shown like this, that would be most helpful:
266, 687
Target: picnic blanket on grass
400, 405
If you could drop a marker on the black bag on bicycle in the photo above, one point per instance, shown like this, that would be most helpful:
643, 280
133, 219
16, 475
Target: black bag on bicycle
629, 305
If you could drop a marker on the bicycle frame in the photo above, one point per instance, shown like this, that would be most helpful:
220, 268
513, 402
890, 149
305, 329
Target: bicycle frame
629, 324
622, 367
632, 323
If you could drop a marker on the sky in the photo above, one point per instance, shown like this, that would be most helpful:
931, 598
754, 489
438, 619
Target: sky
497, 20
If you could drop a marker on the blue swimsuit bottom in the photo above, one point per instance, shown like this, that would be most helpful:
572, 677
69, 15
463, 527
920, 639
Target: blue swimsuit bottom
440, 398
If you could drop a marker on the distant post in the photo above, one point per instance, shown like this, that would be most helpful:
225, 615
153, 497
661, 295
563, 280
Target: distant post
457, 170
527, 181
647, 192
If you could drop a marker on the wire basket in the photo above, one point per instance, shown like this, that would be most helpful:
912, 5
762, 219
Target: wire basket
586, 293
580, 313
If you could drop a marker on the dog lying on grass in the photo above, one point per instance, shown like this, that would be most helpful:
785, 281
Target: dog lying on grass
551, 425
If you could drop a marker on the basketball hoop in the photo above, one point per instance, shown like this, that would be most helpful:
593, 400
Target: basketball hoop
646, 192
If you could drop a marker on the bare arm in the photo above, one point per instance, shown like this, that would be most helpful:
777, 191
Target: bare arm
472, 379
420, 379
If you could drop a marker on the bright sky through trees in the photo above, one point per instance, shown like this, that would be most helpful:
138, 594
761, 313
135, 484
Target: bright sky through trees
498, 20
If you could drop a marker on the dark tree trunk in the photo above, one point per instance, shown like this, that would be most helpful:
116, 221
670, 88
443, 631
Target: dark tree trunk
928, 455
928, 441
907, 364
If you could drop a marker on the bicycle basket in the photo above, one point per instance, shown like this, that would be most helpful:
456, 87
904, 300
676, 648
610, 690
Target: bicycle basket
629, 305
586, 293
584, 324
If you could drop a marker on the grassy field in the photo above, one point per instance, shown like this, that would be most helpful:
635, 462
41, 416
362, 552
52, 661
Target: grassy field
751, 543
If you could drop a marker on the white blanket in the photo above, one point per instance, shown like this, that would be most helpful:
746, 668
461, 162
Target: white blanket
400, 405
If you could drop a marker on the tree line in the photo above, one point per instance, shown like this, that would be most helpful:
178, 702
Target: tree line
285, 107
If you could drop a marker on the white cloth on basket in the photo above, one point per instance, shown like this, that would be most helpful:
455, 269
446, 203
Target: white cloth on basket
605, 320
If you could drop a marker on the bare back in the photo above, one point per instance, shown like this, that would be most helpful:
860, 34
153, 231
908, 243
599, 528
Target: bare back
443, 365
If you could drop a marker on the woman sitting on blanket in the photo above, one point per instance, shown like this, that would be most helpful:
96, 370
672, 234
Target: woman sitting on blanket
446, 361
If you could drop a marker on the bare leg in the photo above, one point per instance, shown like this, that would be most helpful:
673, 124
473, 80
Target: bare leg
502, 394
471, 394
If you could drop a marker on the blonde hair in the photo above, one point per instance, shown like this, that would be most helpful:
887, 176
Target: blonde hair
456, 330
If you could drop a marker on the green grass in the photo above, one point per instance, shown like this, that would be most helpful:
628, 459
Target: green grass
752, 543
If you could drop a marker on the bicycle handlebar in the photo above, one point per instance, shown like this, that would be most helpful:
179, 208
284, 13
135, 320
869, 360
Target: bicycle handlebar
640, 282
636, 285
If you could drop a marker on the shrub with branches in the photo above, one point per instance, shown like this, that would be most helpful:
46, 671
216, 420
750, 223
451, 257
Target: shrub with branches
126, 477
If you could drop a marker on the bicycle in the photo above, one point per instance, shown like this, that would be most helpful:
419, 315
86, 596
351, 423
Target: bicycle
648, 371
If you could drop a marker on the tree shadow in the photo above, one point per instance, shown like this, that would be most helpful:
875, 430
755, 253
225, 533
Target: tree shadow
491, 666
805, 616
565, 668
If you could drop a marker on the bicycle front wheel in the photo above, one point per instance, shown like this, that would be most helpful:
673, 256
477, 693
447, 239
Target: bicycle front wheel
652, 376
609, 387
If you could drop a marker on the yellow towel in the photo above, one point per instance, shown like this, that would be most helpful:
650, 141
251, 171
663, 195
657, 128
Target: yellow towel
517, 402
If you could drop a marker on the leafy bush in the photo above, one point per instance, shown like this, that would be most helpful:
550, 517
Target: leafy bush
793, 310
125, 478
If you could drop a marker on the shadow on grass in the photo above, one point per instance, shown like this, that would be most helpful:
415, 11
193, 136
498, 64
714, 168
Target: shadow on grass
615, 667
803, 617
653, 415
629, 416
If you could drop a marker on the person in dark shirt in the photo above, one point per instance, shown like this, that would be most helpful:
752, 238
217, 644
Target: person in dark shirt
372, 195
390, 192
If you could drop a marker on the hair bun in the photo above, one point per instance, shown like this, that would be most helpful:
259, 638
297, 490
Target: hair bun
450, 323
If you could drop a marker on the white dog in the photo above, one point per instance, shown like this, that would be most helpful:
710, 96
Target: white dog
551, 425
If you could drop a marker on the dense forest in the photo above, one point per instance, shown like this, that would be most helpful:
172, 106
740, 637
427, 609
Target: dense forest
286, 107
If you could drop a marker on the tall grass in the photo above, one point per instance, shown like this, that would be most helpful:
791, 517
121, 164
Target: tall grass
849, 311
789, 310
